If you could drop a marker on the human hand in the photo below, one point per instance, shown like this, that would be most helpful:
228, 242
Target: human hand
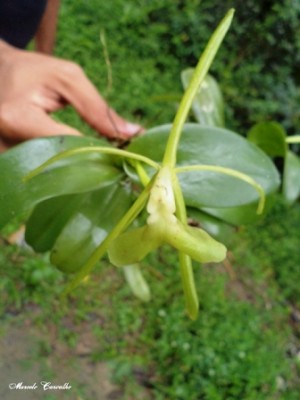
34, 85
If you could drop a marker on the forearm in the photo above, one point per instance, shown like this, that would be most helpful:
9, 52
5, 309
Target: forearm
46, 33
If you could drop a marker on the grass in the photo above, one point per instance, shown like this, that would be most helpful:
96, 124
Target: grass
242, 345
245, 344
145, 82
277, 251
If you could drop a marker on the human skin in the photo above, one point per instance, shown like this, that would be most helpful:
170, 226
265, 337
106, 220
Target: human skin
35, 84
46, 33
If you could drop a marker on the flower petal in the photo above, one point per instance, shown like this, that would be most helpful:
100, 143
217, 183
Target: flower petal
132, 246
137, 282
195, 242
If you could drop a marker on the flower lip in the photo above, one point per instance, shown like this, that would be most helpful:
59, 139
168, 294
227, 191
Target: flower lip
162, 195
163, 227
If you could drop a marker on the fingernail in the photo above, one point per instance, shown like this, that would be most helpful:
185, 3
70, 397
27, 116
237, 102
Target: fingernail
132, 129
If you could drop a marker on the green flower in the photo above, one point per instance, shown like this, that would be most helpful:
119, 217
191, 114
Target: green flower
167, 216
163, 227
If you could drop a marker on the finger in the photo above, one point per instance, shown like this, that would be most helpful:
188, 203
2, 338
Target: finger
3, 145
84, 97
19, 122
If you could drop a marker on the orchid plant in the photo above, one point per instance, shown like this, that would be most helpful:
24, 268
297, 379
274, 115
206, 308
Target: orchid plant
85, 201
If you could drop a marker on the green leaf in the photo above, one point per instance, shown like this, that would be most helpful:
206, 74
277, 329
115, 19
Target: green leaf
213, 225
18, 198
212, 146
208, 106
291, 177
98, 214
74, 244
48, 219
216, 220
241, 215
270, 137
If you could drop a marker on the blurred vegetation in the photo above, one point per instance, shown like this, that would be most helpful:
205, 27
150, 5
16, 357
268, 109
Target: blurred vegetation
245, 344
150, 42
276, 247
241, 347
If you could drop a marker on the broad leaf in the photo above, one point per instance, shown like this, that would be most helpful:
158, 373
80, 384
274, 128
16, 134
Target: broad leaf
208, 106
74, 175
88, 227
213, 146
214, 226
270, 137
291, 177
49, 218
241, 215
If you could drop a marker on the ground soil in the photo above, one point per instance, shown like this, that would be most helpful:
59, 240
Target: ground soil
21, 361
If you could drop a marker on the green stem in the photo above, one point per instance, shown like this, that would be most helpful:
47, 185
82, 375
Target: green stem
185, 262
200, 72
144, 177
293, 139
230, 172
188, 284
96, 149
180, 203
99, 252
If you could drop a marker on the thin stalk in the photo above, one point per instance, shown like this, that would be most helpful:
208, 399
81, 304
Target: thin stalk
185, 262
144, 177
99, 252
200, 72
188, 284
293, 139
96, 149
230, 172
